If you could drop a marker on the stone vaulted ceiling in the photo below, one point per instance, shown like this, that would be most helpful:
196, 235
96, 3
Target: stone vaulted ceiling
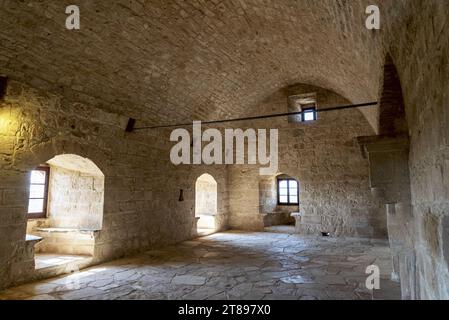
166, 61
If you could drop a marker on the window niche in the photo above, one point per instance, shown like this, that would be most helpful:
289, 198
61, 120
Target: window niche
278, 199
76, 193
304, 103
65, 206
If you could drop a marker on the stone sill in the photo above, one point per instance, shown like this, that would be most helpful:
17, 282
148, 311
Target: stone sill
31, 238
66, 230
276, 212
295, 214
39, 219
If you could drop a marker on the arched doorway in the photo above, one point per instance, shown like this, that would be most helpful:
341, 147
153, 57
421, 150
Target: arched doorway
206, 206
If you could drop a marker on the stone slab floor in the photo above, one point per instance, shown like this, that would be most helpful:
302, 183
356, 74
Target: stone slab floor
231, 265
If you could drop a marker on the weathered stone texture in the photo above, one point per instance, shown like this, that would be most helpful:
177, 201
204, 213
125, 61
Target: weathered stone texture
271, 266
172, 60
141, 207
73, 92
418, 39
76, 199
326, 160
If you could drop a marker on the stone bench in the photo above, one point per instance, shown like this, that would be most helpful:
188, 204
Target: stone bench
30, 242
276, 218
66, 241
24, 267
296, 215
298, 218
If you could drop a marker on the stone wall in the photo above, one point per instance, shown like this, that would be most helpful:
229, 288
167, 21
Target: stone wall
417, 37
141, 202
325, 158
75, 199
217, 76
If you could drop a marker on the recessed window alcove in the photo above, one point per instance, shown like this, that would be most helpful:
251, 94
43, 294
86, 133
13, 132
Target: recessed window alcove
65, 210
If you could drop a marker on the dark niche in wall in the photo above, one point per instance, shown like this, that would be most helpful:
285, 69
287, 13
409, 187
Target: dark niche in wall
3, 86
181, 195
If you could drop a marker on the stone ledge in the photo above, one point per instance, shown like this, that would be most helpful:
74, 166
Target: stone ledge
66, 230
31, 238
384, 143
296, 214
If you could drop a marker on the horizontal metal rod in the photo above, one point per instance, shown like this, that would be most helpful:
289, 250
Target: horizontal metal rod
276, 115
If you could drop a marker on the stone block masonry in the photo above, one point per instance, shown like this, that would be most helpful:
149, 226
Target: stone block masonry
73, 92
324, 157
141, 187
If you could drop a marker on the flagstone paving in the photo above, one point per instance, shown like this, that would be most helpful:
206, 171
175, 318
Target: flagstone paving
231, 265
